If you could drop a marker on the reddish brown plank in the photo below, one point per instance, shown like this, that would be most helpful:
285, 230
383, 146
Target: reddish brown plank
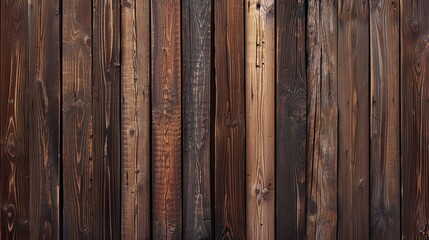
196, 54
385, 147
44, 114
166, 120
229, 125
290, 119
77, 129
322, 128
135, 49
353, 104
415, 118
14, 123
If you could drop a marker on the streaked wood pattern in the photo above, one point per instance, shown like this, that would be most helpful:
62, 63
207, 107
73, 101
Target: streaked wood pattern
260, 118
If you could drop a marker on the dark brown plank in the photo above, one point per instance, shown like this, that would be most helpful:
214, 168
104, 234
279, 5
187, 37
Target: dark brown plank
353, 103
415, 118
77, 128
135, 49
14, 167
106, 182
44, 114
229, 125
290, 120
385, 162
196, 35
166, 120
322, 128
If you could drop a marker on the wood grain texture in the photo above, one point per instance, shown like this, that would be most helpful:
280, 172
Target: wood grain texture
229, 125
44, 114
196, 54
353, 103
135, 49
14, 122
77, 127
260, 118
106, 182
384, 121
322, 128
291, 124
415, 118
166, 120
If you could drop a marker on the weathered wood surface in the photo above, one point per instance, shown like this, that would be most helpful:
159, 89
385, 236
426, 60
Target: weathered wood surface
291, 124
384, 121
106, 180
322, 128
44, 113
353, 105
415, 118
197, 58
166, 120
260, 118
14, 122
135, 135
229, 126
77, 127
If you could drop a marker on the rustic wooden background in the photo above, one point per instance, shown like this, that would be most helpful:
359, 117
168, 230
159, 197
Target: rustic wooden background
222, 119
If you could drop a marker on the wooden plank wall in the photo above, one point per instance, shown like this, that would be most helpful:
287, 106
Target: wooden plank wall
226, 119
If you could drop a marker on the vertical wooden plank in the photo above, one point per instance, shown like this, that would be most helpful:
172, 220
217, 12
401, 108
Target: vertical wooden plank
229, 126
44, 115
290, 120
385, 162
135, 48
166, 120
353, 103
196, 36
322, 129
106, 182
77, 130
14, 175
260, 118
415, 118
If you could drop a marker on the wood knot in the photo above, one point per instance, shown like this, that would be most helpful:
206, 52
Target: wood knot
261, 193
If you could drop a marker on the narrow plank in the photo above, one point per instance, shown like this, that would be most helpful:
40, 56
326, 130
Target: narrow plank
44, 114
384, 121
196, 54
415, 118
291, 125
135, 49
322, 128
77, 129
229, 125
353, 103
14, 166
260, 118
166, 120
106, 182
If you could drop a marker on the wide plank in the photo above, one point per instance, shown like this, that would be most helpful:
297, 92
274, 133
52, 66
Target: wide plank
353, 107
229, 125
322, 128
14, 122
260, 118
77, 127
384, 121
44, 114
135, 135
196, 62
415, 118
166, 120
291, 123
